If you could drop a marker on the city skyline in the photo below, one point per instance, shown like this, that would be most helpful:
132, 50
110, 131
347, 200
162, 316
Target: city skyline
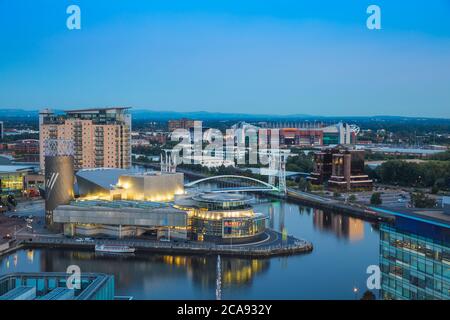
257, 58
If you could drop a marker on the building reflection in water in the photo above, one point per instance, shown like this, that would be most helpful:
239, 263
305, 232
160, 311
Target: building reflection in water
236, 272
341, 225
30, 255
414, 260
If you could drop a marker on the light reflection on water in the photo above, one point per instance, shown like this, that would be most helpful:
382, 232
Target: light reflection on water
343, 248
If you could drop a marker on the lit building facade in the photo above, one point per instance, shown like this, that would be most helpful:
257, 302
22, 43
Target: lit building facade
222, 217
12, 178
300, 137
414, 267
121, 184
101, 137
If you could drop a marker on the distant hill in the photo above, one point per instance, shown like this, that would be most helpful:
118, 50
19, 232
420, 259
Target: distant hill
144, 114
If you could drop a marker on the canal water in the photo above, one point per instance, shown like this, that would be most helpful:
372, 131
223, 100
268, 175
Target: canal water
343, 249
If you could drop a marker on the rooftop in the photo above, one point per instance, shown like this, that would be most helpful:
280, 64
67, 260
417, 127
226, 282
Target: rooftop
90, 110
222, 197
93, 284
119, 204
103, 177
15, 168
432, 216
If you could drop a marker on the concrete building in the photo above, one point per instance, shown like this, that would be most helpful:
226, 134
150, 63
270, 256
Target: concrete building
121, 184
151, 186
121, 218
101, 137
122, 203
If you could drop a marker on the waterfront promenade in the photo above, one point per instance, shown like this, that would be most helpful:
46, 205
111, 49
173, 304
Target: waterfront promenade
272, 244
354, 209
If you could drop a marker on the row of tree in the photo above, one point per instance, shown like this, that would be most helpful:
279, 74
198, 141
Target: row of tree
429, 174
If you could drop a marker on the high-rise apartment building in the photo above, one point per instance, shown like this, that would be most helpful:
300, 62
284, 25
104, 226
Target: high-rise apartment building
101, 137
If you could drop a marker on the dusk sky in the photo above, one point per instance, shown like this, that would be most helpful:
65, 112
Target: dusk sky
247, 56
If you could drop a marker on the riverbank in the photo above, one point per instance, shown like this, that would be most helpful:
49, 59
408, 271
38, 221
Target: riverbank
274, 244
172, 250
354, 210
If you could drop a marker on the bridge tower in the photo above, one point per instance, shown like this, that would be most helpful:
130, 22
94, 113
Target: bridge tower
277, 169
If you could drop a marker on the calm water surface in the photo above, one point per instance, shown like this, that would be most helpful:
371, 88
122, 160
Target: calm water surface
343, 249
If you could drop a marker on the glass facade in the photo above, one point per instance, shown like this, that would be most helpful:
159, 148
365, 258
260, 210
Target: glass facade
414, 267
237, 228
217, 217
93, 286
11, 182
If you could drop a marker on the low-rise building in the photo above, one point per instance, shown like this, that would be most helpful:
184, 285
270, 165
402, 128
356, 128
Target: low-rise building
12, 177
54, 286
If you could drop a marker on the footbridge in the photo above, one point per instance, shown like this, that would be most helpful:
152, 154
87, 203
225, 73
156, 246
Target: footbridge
232, 183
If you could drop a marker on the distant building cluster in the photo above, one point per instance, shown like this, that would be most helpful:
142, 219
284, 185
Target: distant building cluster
26, 150
183, 124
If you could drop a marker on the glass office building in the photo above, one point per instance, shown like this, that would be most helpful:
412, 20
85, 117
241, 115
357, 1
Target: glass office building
53, 286
413, 266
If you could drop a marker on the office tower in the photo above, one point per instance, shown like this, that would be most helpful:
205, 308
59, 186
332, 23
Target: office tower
341, 168
101, 137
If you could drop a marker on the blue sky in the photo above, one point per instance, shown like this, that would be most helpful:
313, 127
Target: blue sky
266, 56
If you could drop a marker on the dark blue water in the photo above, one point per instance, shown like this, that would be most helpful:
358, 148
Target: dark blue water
343, 249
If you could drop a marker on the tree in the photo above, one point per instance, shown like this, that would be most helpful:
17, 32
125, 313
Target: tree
300, 163
421, 200
304, 184
352, 198
375, 199
368, 295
